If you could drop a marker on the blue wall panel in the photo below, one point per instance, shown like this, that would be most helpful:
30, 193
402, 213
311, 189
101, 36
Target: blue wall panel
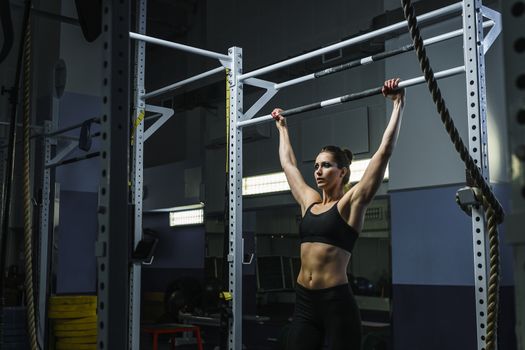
433, 294
179, 247
76, 265
432, 238
443, 317
84, 175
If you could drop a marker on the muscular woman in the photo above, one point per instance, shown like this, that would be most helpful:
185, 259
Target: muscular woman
325, 309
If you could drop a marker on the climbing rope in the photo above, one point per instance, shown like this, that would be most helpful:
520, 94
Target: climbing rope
9, 172
28, 229
494, 268
493, 210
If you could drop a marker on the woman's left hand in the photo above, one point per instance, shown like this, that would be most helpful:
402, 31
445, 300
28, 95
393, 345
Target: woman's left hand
390, 89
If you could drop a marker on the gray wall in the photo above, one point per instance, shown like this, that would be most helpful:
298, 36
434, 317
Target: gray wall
44, 46
79, 182
83, 59
77, 226
270, 31
178, 247
77, 232
425, 157
82, 176
279, 39
177, 183
432, 252
432, 239
434, 161
273, 31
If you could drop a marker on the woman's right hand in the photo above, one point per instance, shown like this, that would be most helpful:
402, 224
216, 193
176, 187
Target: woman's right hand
280, 121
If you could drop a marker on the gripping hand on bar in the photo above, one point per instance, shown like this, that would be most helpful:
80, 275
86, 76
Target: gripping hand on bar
392, 89
351, 97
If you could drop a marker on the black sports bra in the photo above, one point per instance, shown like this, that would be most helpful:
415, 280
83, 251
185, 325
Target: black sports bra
328, 227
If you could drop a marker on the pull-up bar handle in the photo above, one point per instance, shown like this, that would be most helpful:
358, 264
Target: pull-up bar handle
350, 97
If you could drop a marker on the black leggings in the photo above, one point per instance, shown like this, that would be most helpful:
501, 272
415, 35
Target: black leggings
328, 317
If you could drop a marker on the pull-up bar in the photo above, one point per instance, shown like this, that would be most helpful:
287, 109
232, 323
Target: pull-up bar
374, 58
69, 128
401, 25
73, 160
57, 133
178, 46
182, 83
350, 97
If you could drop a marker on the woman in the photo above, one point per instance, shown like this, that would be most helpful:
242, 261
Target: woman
325, 309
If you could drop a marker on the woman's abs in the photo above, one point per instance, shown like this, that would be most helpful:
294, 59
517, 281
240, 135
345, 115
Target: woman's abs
322, 266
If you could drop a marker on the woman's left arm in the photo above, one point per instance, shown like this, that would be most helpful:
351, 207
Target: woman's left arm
365, 190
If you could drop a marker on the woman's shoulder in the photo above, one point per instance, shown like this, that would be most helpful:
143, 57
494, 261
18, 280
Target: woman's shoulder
348, 203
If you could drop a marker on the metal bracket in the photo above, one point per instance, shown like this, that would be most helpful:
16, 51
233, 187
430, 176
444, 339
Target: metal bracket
166, 114
100, 249
149, 262
225, 64
232, 75
250, 260
468, 197
64, 152
495, 31
263, 100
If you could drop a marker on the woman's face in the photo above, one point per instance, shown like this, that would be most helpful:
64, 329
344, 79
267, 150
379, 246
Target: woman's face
326, 171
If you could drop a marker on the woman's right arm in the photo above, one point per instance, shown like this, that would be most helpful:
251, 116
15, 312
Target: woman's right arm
303, 194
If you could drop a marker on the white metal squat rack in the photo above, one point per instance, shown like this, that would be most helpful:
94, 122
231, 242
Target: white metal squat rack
114, 207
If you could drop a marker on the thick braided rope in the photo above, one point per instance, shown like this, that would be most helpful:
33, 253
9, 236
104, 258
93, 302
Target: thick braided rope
444, 113
493, 210
494, 268
28, 229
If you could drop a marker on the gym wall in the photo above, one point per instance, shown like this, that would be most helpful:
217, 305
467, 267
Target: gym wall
432, 252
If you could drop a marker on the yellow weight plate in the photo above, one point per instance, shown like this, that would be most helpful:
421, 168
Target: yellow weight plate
72, 299
75, 326
67, 346
78, 340
69, 307
75, 334
90, 319
73, 314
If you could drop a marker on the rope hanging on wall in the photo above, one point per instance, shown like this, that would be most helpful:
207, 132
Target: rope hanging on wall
9, 173
28, 206
493, 210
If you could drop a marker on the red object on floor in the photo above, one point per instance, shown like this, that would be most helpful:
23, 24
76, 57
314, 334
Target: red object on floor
172, 328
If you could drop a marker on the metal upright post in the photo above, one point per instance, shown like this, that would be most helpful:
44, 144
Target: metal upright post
45, 227
476, 111
112, 247
235, 256
137, 174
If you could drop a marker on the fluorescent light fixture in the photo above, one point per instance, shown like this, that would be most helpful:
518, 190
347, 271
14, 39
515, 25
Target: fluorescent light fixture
276, 182
187, 215
180, 208
268, 183
357, 169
